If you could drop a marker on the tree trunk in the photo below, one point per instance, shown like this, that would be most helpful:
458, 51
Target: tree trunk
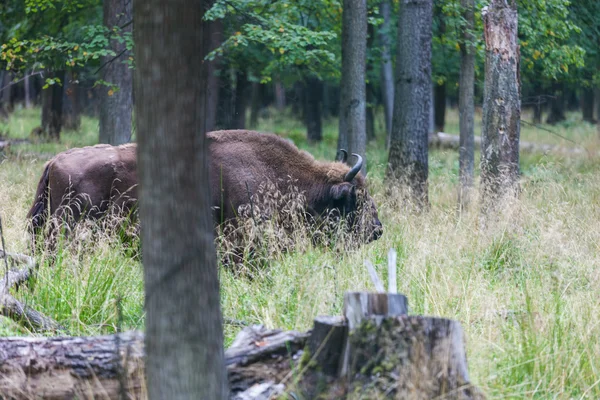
184, 333
255, 104
408, 158
370, 127
241, 100
27, 89
439, 97
587, 104
52, 106
387, 74
352, 125
116, 106
501, 106
5, 91
597, 96
313, 100
556, 113
226, 100
71, 104
279, 96
466, 106
214, 79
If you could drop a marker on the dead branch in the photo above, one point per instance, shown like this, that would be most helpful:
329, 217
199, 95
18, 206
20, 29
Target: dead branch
14, 309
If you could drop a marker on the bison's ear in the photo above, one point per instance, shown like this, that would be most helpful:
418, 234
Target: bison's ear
343, 191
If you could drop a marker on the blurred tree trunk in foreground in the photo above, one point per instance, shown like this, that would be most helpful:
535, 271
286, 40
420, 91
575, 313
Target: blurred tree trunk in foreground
352, 126
184, 333
408, 158
466, 105
501, 106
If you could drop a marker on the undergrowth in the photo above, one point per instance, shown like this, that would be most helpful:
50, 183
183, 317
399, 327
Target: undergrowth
525, 288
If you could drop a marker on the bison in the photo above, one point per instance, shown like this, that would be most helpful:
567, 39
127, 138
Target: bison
90, 180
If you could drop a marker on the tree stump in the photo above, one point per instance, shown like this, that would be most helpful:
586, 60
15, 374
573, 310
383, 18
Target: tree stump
326, 343
412, 357
359, 306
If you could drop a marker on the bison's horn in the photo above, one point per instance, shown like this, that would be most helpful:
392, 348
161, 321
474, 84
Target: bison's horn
352, 173
344, 155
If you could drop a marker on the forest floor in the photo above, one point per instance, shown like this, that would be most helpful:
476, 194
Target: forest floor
525, 289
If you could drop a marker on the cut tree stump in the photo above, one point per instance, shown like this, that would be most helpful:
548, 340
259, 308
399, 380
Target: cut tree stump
326, 343
413, 357
359, 306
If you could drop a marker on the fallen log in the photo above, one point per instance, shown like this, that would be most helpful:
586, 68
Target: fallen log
12, 308
448, 141
98, 366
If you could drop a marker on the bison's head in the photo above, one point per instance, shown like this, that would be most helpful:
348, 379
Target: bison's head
352, 201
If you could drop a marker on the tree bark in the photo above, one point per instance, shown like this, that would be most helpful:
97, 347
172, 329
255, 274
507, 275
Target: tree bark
279, 96
408, 157
387, 74
587, 104
370, 123
352, 125
439, 97
52, 106
597, 100
313, 101
556, 113
5, 94
214, 79
27, 89
424, 358
71, 104
116, 106
97, 366
241, 100
255, 104
466, 106
501, 106
184, 333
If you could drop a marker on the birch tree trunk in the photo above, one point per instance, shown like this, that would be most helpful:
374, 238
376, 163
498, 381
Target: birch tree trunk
116, 106
466, 106
184, 333
501, 106
408, 158
353, 102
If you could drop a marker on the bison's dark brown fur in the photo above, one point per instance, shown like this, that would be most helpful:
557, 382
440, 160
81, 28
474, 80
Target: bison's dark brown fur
239, 162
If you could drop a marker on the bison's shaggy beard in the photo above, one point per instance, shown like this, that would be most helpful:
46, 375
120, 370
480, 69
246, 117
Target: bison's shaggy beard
275, 221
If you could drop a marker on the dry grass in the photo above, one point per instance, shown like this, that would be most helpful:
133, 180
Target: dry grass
525, 288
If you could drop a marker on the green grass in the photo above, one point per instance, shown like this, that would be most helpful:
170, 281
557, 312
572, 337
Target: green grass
525, 289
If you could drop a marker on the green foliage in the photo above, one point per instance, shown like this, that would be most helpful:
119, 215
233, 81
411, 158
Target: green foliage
278, 38
545, 30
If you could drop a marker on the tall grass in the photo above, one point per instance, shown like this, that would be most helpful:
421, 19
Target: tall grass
525, 288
